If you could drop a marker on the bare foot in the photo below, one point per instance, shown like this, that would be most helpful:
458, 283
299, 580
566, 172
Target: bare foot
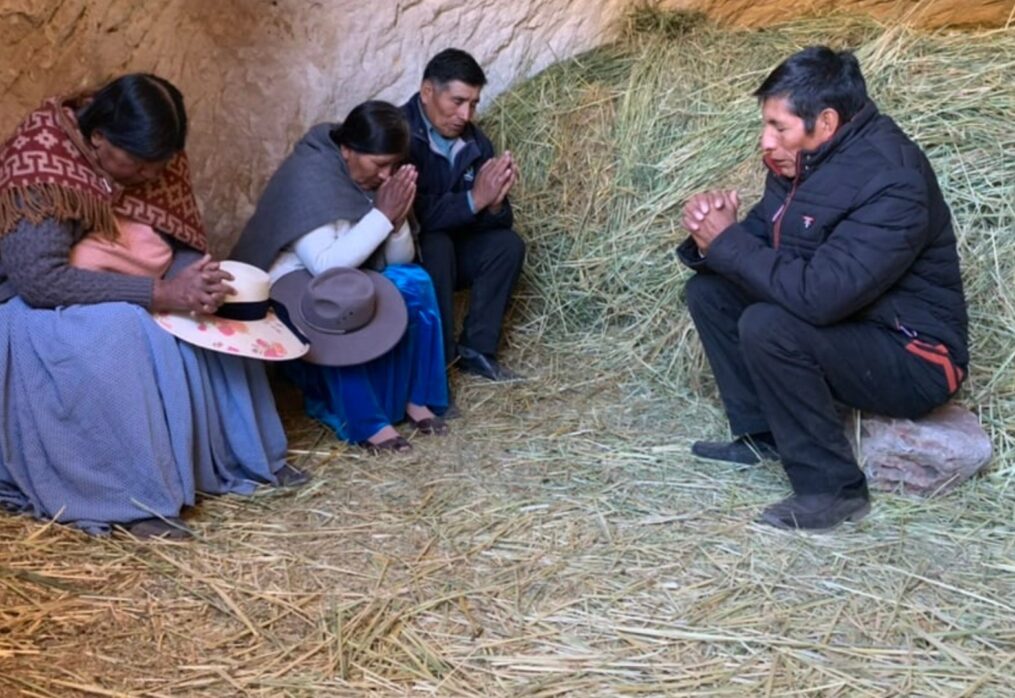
426, 421
387, 439
385, 434
418, 413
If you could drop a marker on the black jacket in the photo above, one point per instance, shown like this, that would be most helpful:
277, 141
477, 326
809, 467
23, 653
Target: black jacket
441, 189
862, 234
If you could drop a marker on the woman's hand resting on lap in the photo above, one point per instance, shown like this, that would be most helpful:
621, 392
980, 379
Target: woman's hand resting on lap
199, 288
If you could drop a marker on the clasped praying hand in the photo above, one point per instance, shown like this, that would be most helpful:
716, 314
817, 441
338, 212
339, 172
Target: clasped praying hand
708, 214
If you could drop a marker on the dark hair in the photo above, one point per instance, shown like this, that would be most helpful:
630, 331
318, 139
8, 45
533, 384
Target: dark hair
815, 79
374, 128
140, 113
454, 64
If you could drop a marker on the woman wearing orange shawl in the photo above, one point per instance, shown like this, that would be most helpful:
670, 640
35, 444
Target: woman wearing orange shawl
104, 417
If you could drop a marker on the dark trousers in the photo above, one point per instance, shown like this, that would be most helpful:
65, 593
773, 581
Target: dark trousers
487, 261
778, 373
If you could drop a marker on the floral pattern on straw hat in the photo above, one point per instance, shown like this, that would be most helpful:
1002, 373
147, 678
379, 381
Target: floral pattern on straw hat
266, 337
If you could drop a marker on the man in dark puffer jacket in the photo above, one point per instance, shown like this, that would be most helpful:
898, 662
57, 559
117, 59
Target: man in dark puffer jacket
841, 285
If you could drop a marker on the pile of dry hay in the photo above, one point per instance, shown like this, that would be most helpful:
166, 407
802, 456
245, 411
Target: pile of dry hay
561, 541
613, 143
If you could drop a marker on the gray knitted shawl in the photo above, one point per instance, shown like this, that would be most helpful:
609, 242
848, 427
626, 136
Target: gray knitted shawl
311, 188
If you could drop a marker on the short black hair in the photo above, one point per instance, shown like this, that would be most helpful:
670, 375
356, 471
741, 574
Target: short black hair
815, 79
140, 113
454, 64
374, 128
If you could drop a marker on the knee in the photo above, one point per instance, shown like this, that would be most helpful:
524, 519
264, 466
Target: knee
416, 280
512, 248
704, 294
437, 246
764, 326
437, 255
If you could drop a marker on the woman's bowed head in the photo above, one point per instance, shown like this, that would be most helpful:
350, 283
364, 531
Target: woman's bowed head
332, 229
135, 126
374, 142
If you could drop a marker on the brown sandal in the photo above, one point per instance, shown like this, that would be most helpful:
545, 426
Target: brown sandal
431, 425
396, 443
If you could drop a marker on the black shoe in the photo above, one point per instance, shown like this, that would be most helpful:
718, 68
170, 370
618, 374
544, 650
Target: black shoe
747, 450
452, 412
170, 528
816, 512
288, 476
471, 361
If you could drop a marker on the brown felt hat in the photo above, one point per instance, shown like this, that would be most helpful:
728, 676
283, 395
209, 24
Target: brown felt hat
350, 316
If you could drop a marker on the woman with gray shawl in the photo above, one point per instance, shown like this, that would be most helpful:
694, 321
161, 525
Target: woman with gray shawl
342, 199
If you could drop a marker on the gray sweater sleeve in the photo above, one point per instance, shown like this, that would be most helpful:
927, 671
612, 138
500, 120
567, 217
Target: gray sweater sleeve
35, 258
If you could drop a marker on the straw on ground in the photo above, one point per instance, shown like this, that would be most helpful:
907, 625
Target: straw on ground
562, 541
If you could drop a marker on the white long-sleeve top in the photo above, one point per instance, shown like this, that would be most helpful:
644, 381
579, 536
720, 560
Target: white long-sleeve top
345, 244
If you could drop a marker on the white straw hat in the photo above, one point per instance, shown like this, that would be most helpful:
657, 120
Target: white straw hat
245, 324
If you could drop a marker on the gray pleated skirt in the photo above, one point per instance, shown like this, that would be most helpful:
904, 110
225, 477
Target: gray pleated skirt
106, 418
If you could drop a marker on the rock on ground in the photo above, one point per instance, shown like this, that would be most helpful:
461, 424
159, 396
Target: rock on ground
931, 455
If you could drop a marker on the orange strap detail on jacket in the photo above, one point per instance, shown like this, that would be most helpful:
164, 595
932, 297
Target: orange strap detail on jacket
938, 354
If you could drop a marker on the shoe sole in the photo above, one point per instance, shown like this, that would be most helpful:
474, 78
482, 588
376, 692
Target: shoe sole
859, 513
148, 529
433, 426
468, 370
485, 377
853, 517
377, 449
758, 458
716, 459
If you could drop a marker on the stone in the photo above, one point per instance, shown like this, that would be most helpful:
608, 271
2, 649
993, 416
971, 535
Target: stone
927, 456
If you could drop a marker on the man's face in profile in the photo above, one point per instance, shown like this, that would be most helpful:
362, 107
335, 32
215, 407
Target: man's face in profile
449, 107
784, 135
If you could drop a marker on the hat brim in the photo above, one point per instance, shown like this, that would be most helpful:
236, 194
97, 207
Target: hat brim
268, 339
374, 339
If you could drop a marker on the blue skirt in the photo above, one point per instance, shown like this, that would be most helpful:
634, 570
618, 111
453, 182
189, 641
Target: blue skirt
358, 401
106, 418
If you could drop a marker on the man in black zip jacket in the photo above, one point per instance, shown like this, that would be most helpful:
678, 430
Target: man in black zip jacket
465, 218
841, 285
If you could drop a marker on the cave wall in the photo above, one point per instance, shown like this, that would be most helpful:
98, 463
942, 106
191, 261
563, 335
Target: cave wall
257, 73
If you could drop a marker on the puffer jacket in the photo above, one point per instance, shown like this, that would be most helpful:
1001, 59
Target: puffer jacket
862, 234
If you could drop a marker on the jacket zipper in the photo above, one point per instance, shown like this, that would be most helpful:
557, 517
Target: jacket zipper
777, 227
